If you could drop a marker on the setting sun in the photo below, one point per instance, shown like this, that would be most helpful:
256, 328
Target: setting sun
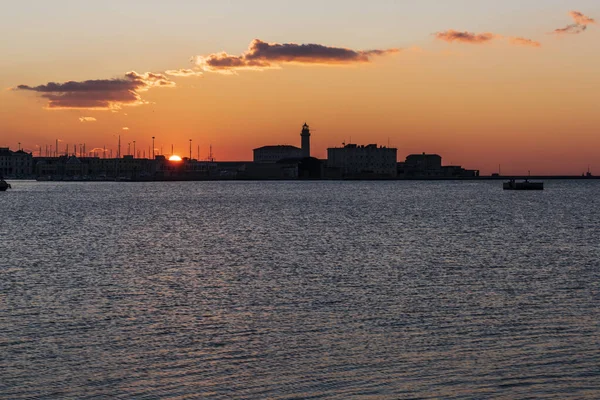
174, 158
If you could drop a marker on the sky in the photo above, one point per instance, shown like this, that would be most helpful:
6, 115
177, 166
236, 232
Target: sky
511, 85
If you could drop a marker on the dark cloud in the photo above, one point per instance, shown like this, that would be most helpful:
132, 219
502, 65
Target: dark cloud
465, 37
261, 55
99, 93
581, 23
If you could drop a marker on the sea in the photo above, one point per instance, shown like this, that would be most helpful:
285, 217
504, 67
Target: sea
299, 290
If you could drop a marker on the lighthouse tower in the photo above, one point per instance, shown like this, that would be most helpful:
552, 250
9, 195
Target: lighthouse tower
305, 135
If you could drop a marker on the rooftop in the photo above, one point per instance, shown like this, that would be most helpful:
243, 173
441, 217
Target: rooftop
278, 147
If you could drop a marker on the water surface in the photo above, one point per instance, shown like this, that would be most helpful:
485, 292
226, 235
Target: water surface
252, 290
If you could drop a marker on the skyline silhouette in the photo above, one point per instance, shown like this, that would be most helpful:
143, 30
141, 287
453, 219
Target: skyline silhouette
486, 86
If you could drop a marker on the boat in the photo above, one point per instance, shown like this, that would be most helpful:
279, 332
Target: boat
4, 185
525, 185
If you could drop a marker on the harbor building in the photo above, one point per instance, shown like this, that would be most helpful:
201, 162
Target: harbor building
274, 154
305, 135
367, 161
429, 166
15, 164
277, 153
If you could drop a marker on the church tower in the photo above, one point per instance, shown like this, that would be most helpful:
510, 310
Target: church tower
305, 135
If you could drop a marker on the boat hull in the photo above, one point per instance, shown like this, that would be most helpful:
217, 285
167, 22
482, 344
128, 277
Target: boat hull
523, 186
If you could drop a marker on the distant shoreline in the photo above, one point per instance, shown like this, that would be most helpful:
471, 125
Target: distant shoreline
479, 178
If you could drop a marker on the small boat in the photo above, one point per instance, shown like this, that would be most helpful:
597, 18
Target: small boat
525, 185
4, 185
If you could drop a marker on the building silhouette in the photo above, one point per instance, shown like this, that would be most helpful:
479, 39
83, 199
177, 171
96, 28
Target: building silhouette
274, 154
354, 161
305, 135
429, 166
15, 164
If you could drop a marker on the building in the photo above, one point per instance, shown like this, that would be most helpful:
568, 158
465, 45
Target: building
16, 164
273, 154
370, 161
305, 135
424, 162
429, 166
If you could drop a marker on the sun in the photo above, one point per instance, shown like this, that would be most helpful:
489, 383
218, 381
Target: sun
174, 158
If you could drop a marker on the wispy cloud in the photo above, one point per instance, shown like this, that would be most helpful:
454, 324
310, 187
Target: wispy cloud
87, 119
581, 23
99, 94
262, 55
581, 19
183, 72
519, 41
451, 36
465, 37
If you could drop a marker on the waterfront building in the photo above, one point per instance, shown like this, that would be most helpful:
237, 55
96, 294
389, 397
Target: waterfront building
429, 166
424, 162
273, 154
305, 135
354, 161
15, 164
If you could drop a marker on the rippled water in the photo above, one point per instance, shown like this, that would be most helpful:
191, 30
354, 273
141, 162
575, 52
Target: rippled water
375, 290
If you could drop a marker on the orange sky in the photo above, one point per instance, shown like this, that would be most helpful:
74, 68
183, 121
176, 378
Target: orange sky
478, 105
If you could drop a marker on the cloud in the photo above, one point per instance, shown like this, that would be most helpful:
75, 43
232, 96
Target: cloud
99, 94
465, 37
183, 72
87, 119
481, 38
581, 19
573, 29
519, 41
581, 23
262, 55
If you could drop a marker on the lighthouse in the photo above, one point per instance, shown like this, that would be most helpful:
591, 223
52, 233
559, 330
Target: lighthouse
305, 135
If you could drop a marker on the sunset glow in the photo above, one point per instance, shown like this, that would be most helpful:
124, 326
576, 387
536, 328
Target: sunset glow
487, 86
175, 158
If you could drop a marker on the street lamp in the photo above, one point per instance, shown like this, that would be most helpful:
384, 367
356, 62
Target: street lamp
153, 148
